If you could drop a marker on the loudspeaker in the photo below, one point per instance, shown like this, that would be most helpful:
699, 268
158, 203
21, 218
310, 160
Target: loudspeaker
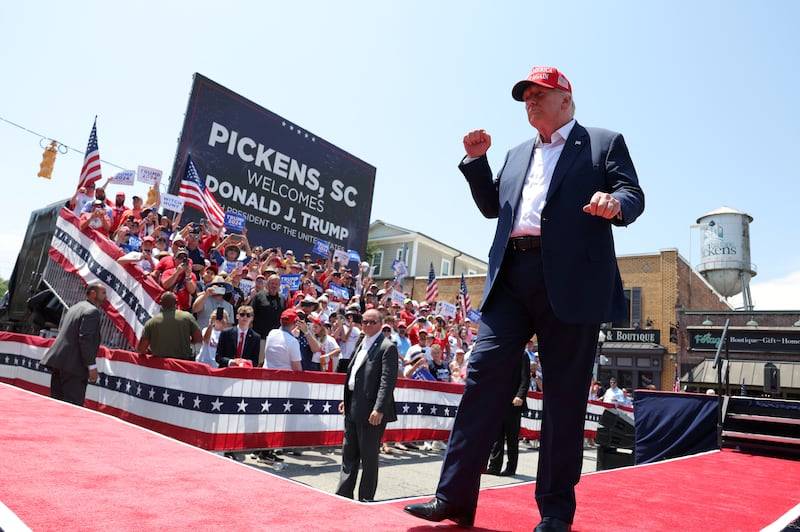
616, 430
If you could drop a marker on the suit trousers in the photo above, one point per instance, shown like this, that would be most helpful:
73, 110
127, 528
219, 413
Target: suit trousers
361, 446
509, 434
517, 308
67, 387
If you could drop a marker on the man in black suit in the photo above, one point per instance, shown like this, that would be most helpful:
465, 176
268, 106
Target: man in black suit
509, 432
367, 407
239, 342
71, 358
552, 272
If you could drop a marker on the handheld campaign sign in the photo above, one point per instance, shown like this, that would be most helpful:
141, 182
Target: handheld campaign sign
246, 285
422, 374
446, 309
292, 280
342, 256
235, 222
151, 176
125, 177
321, 248
172, 203
339, 291
398, 297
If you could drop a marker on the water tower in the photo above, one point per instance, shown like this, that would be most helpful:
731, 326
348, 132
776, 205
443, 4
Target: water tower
725, 252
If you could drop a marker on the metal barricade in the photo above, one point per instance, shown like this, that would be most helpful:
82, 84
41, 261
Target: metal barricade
69, 288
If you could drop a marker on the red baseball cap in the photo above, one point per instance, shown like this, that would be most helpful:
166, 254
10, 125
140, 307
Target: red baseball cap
289, 315
546, 77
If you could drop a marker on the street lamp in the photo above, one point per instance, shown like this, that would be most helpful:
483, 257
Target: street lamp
601, 338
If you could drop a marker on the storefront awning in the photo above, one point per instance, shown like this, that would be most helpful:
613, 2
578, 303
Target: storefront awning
634, 348
751, 371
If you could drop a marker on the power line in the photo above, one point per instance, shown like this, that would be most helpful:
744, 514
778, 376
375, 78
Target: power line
60, 144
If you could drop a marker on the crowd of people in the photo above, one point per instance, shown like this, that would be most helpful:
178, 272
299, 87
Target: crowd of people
228, 299
214, 276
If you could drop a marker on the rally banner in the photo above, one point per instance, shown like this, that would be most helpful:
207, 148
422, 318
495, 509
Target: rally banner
132, 296
246, 408
293, 187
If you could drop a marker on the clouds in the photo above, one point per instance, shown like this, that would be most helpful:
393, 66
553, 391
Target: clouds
782, 293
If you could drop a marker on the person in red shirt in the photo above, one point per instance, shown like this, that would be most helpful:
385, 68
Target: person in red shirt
118, 209
136, 210
439, 334
179, 279
419, 324
407, 314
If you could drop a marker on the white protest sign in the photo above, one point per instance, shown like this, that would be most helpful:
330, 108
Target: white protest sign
125, 177
342, 256
398, 297
446, 309
172, 203
151, 176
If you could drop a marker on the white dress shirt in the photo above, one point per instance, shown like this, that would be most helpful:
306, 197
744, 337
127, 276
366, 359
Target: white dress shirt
534, 192
361, 356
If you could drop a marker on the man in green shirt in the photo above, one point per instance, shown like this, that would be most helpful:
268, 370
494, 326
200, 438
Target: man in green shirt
170, 333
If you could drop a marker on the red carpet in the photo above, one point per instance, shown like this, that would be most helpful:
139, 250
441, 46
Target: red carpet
68, 468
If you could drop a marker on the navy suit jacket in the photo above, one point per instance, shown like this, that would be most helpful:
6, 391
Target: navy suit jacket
226, 347
580, 266
75, 347
374, 384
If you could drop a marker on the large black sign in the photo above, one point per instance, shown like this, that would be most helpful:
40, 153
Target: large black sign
293, 187
704, 339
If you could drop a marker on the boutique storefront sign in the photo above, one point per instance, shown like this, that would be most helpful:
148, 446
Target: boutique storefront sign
750, 340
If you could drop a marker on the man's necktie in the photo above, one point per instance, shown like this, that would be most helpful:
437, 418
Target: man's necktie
241, 345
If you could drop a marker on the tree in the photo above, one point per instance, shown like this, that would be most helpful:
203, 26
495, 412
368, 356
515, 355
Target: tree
3, 286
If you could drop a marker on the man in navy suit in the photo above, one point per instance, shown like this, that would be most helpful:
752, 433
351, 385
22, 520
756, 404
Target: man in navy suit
239, 342
552, 272
71, 358
367, 407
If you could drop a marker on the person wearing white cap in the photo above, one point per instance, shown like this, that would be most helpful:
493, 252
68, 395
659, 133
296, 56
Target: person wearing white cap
552, 272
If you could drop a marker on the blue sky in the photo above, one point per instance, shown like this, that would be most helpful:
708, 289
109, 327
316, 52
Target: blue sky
704, 92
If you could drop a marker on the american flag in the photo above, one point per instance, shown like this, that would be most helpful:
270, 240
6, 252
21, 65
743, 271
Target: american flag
199, 197
463, 299
91, 161
432, 290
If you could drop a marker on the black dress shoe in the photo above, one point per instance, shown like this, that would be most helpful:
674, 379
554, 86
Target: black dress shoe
492, 471
552, 524
507, 473
438, 510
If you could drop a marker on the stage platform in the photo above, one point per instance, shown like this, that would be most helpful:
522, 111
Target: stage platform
68, 468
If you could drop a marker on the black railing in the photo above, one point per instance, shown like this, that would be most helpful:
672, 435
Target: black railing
723, 340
